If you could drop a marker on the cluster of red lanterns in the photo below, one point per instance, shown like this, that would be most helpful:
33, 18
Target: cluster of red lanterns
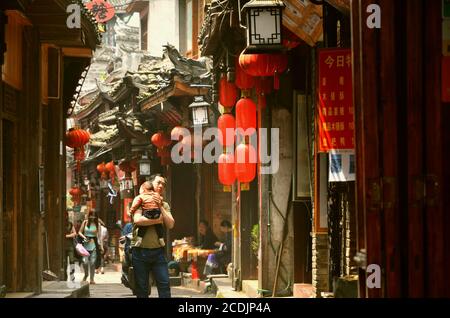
259, 71
76, 138
162, 142
105, 169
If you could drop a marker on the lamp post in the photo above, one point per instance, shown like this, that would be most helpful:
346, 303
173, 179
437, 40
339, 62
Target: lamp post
199, 112
264, 20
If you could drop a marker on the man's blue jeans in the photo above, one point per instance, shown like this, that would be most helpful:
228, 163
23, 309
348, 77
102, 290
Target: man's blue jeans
145, 260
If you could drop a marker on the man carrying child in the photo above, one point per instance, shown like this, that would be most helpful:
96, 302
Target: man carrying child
148, 253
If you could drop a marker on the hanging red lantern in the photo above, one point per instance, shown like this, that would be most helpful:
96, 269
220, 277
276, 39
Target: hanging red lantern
101, 168
226, 125
245, 163
227, 93
111, 168
243, 80
166, 140
227, 174
246, 116
158, 140
263, 87
76, 193
262, 65
77, 138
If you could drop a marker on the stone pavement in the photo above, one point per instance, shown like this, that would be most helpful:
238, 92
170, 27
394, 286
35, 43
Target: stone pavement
108, 285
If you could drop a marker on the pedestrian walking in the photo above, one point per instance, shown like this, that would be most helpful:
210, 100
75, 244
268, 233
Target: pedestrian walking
69, 250
149, 256
104, 237
90, 232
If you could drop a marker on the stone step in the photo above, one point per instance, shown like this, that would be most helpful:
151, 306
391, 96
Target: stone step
223, 288
250, 288
304, 291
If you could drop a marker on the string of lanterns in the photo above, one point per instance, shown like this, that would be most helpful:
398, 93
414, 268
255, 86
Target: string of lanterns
259, 71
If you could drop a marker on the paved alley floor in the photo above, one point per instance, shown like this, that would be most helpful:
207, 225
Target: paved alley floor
108, 285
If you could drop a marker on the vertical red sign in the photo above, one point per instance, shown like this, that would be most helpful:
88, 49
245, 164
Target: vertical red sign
335, 106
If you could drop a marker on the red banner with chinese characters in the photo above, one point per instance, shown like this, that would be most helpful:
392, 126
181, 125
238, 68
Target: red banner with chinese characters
335, 107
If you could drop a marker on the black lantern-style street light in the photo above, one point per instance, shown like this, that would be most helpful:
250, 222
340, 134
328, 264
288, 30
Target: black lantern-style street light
199, 111
264, 20
144, 166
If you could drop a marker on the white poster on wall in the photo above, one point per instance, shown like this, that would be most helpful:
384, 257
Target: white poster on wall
341, 166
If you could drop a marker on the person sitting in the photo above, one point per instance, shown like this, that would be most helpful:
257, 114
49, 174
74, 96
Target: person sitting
207, 237
224, 255
150, 202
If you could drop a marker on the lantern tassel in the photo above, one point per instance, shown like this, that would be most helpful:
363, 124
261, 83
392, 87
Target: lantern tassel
78, 165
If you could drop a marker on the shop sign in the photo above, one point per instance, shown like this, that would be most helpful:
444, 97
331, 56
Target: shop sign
335, 101
342, 166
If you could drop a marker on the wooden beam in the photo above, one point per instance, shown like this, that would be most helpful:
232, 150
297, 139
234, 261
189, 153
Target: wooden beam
77, 52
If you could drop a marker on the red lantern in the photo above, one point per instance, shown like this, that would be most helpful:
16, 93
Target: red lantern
243, 80
226, 125
102, 169
75, 192
111, 168
263, 88
246, 116
227, 93
245, 163
158, 140
262, 65
166, 141
77, 138
227, 175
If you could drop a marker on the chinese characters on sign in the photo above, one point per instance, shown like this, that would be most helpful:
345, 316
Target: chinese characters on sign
335, 107
102, 10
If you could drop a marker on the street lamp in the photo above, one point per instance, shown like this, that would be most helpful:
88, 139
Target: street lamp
144, 165
264, 18
199, 110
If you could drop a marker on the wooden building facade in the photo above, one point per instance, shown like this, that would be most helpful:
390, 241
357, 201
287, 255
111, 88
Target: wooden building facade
41, 63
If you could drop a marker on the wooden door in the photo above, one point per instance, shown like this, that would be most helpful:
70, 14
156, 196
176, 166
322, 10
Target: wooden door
400, 134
